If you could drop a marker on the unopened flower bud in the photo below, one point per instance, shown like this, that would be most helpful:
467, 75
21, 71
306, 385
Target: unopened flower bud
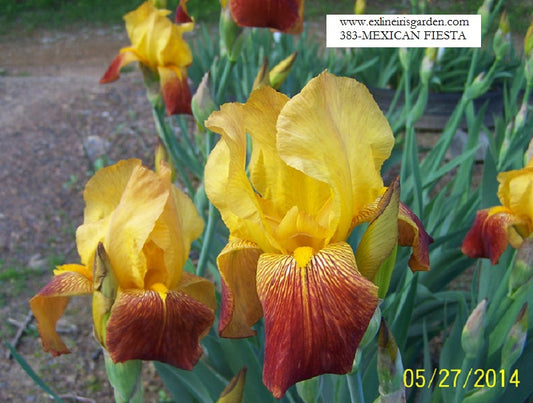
105, 287
516, 339
502, 38
162, 157
372, 329
528, 42
390, 366
522, 270
474, 330
281, 70
484, 11
403, 55
426, 67
478, 87
521, 116
202, 103
261, 78
231, 40
233, 392
159, 3
359, 7
528, 69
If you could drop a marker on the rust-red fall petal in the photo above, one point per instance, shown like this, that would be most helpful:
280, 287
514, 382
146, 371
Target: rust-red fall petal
315, 316
145, 326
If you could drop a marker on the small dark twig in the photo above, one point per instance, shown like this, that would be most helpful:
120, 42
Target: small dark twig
76, 398
20, 331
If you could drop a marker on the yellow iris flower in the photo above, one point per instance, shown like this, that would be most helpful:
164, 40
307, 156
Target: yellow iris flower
140, 226
158, 45
509, 223
313, 174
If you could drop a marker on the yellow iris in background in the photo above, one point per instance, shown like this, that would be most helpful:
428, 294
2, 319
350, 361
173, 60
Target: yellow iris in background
158, 45
509, 223
140, 226
313, 175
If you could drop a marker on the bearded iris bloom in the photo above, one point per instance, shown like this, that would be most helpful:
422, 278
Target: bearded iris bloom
158, 45
510, 223
313, 175
282, 15
140, 226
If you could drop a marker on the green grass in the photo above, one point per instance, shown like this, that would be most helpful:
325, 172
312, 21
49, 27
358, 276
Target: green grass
18, 16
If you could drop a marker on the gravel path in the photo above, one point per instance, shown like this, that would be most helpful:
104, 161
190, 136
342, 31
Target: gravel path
53, 117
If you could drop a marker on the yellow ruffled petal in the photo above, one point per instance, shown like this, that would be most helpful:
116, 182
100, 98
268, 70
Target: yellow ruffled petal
178, 225
516, 191
240, 308
381, 235
272, 178
226, 183
199, 288
156, 40
102, 195
142, 203
334, 132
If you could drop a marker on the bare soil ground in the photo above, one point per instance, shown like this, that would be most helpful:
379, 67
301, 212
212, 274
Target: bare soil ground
55, 119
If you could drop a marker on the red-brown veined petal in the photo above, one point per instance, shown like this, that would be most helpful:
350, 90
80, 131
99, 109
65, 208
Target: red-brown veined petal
240, 307
490, 233
315, 316
283, 15
150, 325
411, 232
126, 56
175, 89
50, 303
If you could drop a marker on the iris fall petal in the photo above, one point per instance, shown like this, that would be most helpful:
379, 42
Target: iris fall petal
315, 315
150, 325
282, 15
50, 303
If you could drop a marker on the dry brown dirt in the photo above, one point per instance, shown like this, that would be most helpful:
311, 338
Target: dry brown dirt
53, 116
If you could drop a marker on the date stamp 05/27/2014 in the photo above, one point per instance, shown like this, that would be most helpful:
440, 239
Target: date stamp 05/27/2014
451, 378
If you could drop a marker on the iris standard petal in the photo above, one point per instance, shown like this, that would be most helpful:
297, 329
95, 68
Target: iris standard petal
160, 326
283, 15
102, 195
226, 182
334, 132
141, 204
240, 306
492, 230
50, 303
317, 307
271, 177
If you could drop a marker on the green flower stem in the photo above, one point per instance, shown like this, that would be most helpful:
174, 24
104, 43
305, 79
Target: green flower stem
410, 162
206, 240
468, 363
223, 83
355, 386
212, 214
126, 379
169, 140
192, 150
